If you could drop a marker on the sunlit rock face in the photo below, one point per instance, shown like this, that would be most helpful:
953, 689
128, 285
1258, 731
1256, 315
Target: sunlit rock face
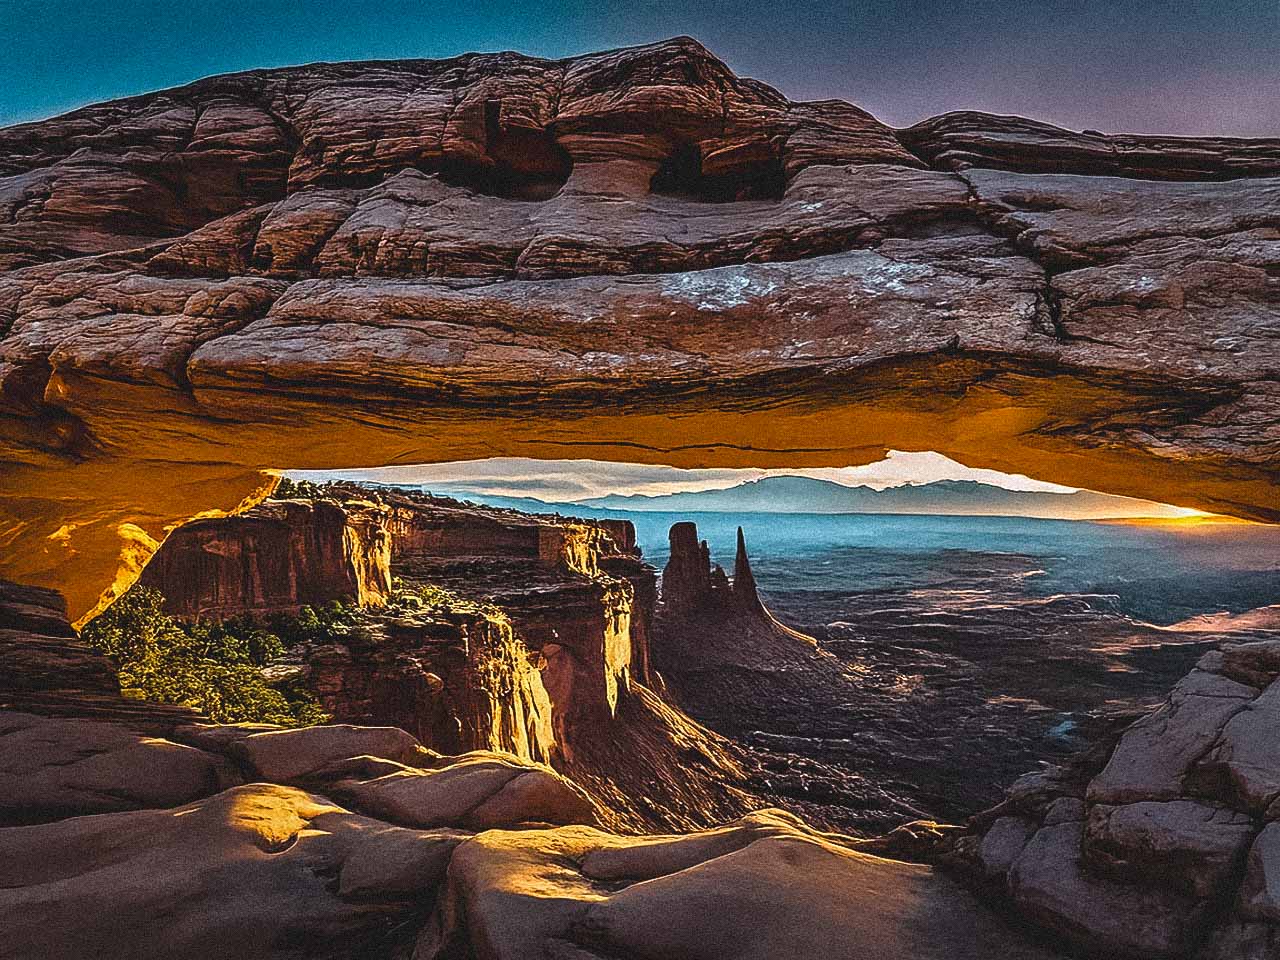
629, 255
541, 649
275, 558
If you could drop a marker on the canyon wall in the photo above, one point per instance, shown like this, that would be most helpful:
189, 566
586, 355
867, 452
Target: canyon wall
275, 558
514, 632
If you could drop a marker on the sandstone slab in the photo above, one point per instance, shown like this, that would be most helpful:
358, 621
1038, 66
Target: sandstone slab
476, 791
280, 756
1049, 885
1189, 846
765, 889
53, 768
255, 871
1155, 754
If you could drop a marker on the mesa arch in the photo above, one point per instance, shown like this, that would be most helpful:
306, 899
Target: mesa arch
633, 255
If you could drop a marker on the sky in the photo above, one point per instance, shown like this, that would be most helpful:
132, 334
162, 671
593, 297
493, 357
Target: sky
567, 481
1205, 67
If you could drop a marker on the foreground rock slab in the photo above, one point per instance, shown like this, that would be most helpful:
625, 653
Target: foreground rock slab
764, 888
1165, 844
257, 871
474, 791
54, 768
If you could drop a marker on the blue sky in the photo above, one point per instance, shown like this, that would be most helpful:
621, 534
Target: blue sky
1174, 66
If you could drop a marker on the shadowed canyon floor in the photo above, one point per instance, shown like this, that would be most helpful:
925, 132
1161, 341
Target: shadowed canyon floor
925, 695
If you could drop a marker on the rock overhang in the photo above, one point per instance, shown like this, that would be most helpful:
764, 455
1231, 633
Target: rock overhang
357, 295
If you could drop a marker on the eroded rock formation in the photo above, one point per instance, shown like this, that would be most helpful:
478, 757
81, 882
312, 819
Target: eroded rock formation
629, 255
539, 647
357, 843
716, 636
275, 558
1162, 845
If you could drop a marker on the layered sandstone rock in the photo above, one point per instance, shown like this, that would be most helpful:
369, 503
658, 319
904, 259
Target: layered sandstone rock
965, 139
631, 255
538, 646
1163, 847
628, 255
277, 557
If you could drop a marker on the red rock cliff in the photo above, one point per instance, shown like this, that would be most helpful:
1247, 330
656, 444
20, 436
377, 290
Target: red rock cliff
540, 649
279, 556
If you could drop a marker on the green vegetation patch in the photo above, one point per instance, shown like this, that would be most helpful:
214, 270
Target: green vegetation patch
214, 667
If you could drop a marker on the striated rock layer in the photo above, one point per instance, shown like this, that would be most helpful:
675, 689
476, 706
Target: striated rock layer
629, 255
275, 558
538, 647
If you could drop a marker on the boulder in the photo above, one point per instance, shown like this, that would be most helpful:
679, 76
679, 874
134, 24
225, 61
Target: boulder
256, 871
1049, 884
1155, 754
281, 756
1244, 763
1193, 847
1001, 846
52, 768
476, 791
1260, 895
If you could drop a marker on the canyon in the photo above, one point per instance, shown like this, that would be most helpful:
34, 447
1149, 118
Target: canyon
533, 639
632, 255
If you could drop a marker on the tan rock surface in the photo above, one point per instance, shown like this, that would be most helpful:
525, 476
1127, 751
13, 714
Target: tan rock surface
256, 871
280, 756
55, 768
764, 888
476, 791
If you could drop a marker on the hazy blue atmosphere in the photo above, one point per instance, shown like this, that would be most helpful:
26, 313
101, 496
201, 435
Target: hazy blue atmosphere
1158, 573
1173, 67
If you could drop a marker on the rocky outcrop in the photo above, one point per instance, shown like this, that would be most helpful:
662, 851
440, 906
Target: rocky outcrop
794, 712
497, 254
277, 557
958, 141
48, 671
537, 646
718, 648
765, 886
52, 768
356, 842
459, 680
1163, 845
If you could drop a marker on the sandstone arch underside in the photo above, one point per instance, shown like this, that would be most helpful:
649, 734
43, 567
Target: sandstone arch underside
633, 256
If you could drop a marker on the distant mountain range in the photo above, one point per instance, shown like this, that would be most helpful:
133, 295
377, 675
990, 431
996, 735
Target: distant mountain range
789, 494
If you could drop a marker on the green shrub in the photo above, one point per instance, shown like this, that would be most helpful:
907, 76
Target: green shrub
213, 667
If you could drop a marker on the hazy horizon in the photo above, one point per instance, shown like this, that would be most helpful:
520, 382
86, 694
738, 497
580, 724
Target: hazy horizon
580, 481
